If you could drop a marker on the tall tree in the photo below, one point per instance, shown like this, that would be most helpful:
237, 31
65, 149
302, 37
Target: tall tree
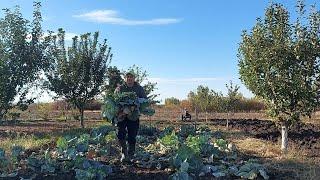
280, 62
201, 99
22, 57
78, 72
232, 99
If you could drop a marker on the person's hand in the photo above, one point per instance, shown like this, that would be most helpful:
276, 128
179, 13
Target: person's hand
117, 90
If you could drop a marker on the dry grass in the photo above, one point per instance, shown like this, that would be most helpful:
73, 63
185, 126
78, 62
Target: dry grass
294, 165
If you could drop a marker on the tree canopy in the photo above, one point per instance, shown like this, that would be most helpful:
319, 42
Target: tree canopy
78, 72
280, 62
23, 57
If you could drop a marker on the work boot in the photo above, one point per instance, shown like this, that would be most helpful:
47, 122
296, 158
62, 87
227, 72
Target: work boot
132, 148
124, 151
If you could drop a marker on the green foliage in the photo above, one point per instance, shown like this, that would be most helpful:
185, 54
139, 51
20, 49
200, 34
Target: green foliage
128, 103
62, 143
111, 136
279, 61
86, 155
201, 98
170, 141
171, 102
221, 144
4, 161
16, 152
93, 170
78, 72
233, 97
251, 170
21, 59
197, 143
205, 99
167, 130
114, 79
187, 130
187, 154
42, 164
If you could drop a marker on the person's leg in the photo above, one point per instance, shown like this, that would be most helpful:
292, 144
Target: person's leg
133, 128
121, 134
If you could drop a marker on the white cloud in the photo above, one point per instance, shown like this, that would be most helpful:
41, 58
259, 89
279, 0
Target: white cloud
112, 17
184, 80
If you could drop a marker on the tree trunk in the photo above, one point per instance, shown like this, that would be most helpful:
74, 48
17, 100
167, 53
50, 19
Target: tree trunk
284, 137
149, 117
196, 119
81, 117
206, 117
228, 117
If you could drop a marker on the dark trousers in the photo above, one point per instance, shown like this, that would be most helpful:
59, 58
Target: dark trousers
130, 127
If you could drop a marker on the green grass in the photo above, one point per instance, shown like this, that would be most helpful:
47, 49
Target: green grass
27, 142
34, 141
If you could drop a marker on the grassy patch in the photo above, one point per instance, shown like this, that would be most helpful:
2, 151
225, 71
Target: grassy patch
34, 141
27, 142
294, 165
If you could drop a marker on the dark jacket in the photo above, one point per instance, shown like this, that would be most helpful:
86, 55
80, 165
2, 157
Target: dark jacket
135, 88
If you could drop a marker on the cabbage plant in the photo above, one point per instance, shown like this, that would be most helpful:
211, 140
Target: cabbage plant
128, 103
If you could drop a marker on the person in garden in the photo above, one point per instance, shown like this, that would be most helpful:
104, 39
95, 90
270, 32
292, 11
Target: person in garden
128, 126
186, 115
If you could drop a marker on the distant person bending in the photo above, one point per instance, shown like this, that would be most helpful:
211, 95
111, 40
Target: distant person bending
186, 115
130, 126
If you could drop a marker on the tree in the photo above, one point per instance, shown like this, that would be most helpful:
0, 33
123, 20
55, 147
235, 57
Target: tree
141, 77
78, 72
232, 99
171, 102
22, 57
201, 99
280, 62
218, 102
114, 78
204, 96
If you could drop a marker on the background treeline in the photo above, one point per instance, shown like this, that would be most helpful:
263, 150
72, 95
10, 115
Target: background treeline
207, 100
203, 99
242, 105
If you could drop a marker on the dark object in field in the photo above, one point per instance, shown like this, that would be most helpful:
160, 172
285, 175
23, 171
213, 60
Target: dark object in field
186, 115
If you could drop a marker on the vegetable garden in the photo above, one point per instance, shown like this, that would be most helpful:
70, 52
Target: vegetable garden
278, 62
184, 153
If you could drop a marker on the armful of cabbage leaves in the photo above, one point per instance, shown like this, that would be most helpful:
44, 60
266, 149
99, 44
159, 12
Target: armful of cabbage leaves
126, 104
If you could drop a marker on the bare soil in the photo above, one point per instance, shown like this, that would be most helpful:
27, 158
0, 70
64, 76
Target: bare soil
304, 135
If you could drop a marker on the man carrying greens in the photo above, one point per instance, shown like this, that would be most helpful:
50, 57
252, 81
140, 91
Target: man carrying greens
128, 126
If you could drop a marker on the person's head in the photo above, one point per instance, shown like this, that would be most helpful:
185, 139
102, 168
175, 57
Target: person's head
130, 79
